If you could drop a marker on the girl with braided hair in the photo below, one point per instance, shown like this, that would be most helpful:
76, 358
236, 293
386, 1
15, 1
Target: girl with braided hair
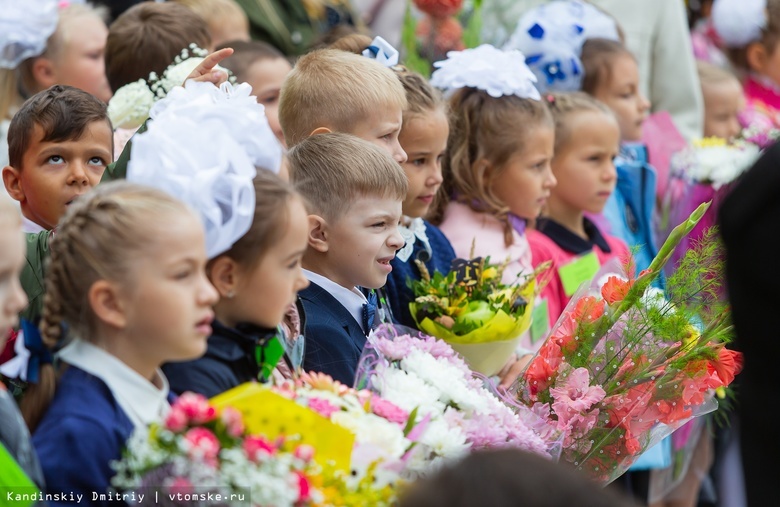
126, 291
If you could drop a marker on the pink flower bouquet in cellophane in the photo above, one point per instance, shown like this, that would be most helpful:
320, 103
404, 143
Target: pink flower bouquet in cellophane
625, 365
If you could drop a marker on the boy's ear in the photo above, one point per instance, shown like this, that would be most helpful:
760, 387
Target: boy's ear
108, 304
13, 183
318, 233
43, 72
757, 57
320, 130
224, 276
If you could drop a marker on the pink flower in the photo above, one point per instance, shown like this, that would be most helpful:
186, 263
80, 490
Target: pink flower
323, 407
304, 489
180, 486
388, 410
255, 447
576, 394
176, 420
202, 444
233, 421
196, 408
304, 452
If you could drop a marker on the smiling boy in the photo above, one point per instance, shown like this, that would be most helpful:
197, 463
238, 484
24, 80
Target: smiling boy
354, 192
59, 144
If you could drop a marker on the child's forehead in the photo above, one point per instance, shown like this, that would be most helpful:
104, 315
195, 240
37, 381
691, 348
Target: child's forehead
97, 131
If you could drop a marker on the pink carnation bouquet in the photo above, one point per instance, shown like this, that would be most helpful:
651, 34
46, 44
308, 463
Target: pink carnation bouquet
198, 456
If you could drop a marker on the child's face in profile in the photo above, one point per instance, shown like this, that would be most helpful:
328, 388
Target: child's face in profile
382, 128
524, 183
723, 102
265, 292
621, 93
584, 166
363, 241
266, 77
12, 297
168, 306
81, 63
424, 139
53, 174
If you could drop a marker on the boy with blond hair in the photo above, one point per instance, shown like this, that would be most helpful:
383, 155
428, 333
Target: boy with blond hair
354, 192
335, 91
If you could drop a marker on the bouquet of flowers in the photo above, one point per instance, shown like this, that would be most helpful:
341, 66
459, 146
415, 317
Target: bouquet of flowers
704, 172
201, 457
426, 376
129, 107
624, 366
473, 311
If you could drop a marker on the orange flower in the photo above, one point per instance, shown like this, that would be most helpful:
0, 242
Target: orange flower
615, 290
439, 8
588, 310
447, 33
727, 366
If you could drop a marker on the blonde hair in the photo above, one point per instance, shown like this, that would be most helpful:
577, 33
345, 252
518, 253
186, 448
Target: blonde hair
563, 105
332, 170
216, 12
485, 129
421, 97
770, 36
55, 45
710, 74
100, 237
335, 89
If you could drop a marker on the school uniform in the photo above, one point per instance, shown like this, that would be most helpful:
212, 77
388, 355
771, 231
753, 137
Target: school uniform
230, 360
426, 243
555, 243
335, 330
99, 403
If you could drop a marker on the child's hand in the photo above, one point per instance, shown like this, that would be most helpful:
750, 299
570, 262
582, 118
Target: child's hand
205, 72
513, 368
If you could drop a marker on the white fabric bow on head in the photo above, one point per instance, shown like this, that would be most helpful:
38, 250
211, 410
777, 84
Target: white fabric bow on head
551, 37
739, 22
382, 51
25, 26
203, 146
486, 68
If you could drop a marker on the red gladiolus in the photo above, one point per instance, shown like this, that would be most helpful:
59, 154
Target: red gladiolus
439, 8
447, 33
727, 366
615, 290
588, 310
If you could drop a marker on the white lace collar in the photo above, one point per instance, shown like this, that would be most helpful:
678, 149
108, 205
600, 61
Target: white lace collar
411, 233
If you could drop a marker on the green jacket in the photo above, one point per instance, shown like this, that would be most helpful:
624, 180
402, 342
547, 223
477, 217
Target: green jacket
32, 275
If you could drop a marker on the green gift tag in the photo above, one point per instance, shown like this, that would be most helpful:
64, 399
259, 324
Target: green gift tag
15, 486
578, 271
539, 321
268, 356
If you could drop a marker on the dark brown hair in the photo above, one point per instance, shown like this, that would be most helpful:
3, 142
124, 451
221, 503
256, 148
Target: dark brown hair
147, 38
598, 56
245, 54
490, 129
269, 222
62, 112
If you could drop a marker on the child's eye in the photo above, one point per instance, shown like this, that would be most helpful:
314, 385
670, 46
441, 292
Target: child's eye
55, 159
418, 161
294, 264
182, 275
379, 224
97, 161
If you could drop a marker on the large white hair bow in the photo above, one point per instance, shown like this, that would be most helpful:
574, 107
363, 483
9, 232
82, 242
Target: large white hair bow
25, 26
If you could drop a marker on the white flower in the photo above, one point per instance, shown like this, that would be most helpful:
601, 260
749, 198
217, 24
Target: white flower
715, 163
486, 68
445, 377
374, 430
130, 105
445, 440
408, 391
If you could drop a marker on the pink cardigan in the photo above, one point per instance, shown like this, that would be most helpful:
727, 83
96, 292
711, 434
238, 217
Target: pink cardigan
561, 246
464, 226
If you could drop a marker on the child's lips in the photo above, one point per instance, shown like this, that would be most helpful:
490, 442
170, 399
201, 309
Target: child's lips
204, 325
427, 199
385, 263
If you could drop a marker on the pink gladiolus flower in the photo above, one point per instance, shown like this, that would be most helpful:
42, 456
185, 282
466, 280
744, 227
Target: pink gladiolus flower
233, 421
574, 398
388, 410
180, 486
304, 488
176, 420
203, 444
304, 452
323, 407
196, 408
255, 446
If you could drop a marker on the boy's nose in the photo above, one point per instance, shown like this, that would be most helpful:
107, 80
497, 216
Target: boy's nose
78, 173
396, 241
399, 155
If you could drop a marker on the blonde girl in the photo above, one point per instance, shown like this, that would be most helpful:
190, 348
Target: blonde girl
126, 291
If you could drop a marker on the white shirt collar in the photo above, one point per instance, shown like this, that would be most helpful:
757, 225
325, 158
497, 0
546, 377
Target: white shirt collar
141, 400
411, 232
351, 299
31, 227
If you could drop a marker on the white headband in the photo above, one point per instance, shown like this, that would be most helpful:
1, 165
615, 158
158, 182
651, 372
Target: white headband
486, 68
25, 26
739, 22
202, 146
551, 36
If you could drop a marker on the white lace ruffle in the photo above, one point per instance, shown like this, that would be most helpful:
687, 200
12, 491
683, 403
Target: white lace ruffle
486, 68
411, 233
